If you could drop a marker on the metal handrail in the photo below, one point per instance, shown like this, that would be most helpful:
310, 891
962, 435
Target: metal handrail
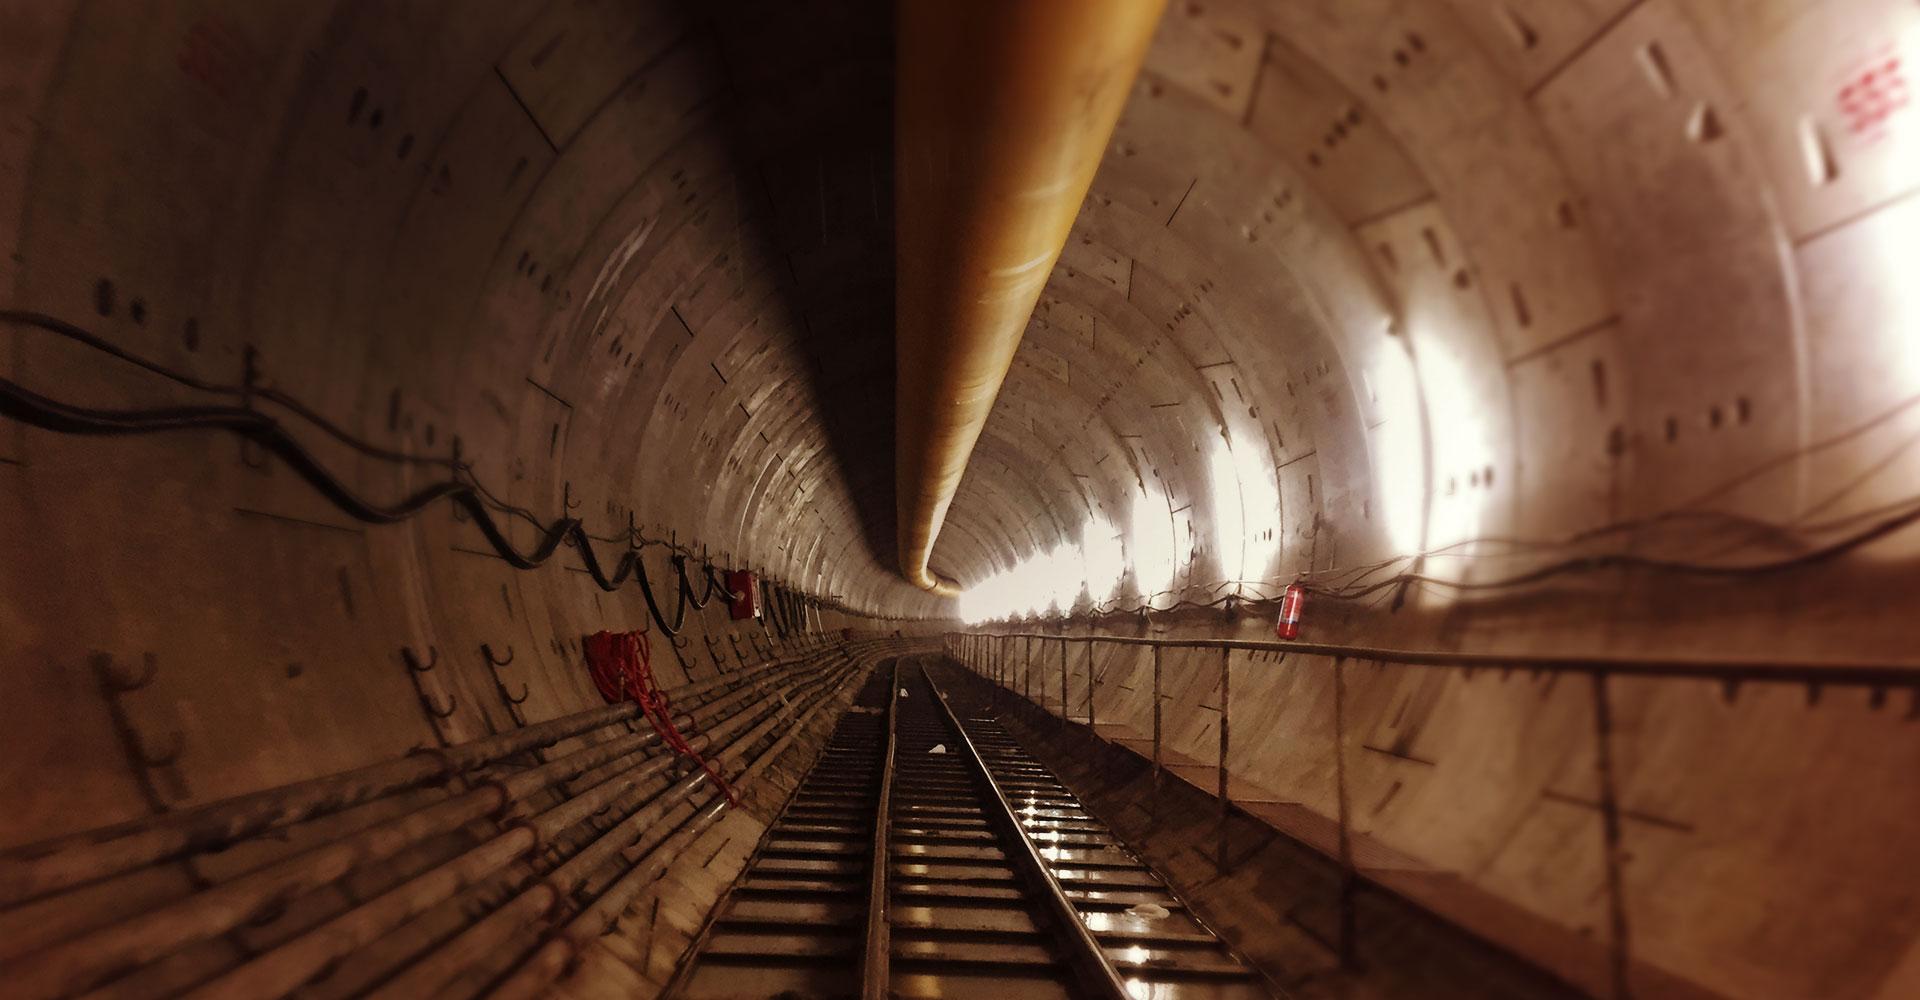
1089, 960
1867, 674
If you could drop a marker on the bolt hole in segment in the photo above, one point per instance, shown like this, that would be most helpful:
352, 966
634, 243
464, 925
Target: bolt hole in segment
988, 857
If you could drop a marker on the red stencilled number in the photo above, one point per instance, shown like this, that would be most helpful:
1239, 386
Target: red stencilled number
217, 55
1873, 95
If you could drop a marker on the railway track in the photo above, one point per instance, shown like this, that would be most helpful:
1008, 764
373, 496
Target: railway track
996, 882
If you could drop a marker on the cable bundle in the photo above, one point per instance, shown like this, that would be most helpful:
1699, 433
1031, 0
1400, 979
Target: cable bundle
621, 664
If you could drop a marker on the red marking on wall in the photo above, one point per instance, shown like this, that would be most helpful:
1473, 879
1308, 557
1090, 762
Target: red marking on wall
218, 56
1874, 94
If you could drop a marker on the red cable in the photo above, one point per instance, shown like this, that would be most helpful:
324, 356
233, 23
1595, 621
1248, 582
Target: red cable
621, 664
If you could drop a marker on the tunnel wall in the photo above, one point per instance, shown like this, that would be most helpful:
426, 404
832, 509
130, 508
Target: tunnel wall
1477, 290
1488, 289
1758, 825
516, 234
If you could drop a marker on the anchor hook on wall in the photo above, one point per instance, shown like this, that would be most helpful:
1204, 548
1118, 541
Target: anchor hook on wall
426, 702
114, 683
512, 701
113, 686
413, 660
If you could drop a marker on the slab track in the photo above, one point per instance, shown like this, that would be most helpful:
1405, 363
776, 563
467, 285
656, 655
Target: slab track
997, 883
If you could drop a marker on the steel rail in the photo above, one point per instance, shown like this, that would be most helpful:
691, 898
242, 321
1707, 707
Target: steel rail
1862, 674
1087, 958
83, 962
876, 981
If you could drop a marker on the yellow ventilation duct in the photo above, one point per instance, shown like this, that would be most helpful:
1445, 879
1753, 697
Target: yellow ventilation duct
1003, 110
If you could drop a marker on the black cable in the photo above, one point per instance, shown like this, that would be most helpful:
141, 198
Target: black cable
477, 500
463, 489
1584, 564
78, 335
29, 407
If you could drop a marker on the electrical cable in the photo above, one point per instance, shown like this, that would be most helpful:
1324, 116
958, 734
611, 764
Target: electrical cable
40, 411
621, 665
468, 495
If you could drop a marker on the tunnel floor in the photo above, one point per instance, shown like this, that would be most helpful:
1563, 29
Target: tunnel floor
997, 881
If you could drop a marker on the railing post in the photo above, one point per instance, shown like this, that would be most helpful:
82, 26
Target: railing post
1618, 942
1157, 768
1026, 660
1226, 718
1092, 688
993, 685
1065, 716
1349, 929
1026, 677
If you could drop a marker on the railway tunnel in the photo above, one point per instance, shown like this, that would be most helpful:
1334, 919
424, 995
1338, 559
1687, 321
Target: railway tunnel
620, 498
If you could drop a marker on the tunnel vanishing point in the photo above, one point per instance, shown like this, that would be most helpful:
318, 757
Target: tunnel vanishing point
1003, 498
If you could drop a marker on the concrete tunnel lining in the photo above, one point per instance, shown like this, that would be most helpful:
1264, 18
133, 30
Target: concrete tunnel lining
1475, 290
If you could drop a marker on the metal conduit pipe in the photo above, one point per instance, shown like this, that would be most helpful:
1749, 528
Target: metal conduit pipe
439, 974
93, 957
498, 929
538, 896
285, 968
81, 962
554, 958
1003, 109
36, 870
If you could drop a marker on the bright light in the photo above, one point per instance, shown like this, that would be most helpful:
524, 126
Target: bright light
1398, 445
1041, 583
1247, 512
1229, 520
1462, 452
1105, 558
1260, 499
1153, 542
1067, 574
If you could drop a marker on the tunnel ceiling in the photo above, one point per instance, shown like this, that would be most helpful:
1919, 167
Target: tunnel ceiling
1567, 279
1399, 275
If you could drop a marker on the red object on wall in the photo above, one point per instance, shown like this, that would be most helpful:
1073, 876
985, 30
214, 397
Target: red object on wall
1288, 627
621, 665
747, 586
